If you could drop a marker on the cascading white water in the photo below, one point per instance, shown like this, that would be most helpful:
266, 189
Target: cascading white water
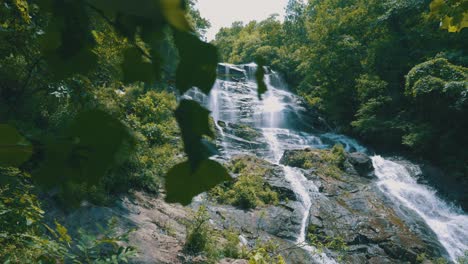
448, 223
235, 101
273, 106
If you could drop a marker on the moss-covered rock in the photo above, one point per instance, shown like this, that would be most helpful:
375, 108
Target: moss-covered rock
244, 131
329, 163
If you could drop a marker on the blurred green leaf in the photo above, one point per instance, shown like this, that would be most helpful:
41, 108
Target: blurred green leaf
198, 62
135, 69
14, 148
182, 184
67, 43
193, 122
174, 13
94, 142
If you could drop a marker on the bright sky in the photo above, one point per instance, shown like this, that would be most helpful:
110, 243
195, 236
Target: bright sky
221, 13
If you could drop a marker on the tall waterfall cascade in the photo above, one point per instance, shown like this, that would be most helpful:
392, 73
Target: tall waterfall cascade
286, 124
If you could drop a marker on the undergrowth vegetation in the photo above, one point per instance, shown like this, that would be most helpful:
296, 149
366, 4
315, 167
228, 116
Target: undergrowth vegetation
321, 241
27, 238
212, 244
249, 190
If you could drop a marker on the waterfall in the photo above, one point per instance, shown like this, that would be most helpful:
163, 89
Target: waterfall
448, 223
234, 100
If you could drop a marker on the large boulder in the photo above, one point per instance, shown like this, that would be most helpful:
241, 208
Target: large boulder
361, 163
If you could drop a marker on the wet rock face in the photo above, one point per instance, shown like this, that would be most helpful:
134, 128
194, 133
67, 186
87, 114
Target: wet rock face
362, 163
353, 209
231, 72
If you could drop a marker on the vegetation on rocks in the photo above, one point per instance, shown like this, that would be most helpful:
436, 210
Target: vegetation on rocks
328, 163
204, 240
25, 238
321, 241
246, 132
32, 240
249, 190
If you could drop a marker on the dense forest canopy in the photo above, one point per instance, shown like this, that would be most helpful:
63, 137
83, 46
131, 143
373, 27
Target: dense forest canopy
388, 71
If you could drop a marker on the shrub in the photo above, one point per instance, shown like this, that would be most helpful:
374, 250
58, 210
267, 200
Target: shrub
328, 163
266, 253
104, 247
231, 246
249, 190
24, 237
321, 241
199, 233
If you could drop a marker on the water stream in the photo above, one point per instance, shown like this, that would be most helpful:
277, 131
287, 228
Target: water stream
399, 181
283, 121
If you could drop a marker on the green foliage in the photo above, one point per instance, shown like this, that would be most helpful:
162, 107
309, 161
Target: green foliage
182, 183
435, 76
92, 144
103, 248
203, 240
14, 148
328, 163
265, 253
321, 241
438, 91
452, 14
231, 247
422, 258
24, 236
199, 233
63, 55
374, 102
150, 115
249, 190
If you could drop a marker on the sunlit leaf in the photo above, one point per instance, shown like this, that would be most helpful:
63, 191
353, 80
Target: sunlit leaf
182, 184
23, 8
453, 15
14, 148
174, 13
198, 63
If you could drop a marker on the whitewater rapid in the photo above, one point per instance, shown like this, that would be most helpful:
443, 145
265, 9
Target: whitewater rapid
449, 223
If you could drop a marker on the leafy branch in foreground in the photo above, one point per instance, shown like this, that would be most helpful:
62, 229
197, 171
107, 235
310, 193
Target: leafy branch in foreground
68, 44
